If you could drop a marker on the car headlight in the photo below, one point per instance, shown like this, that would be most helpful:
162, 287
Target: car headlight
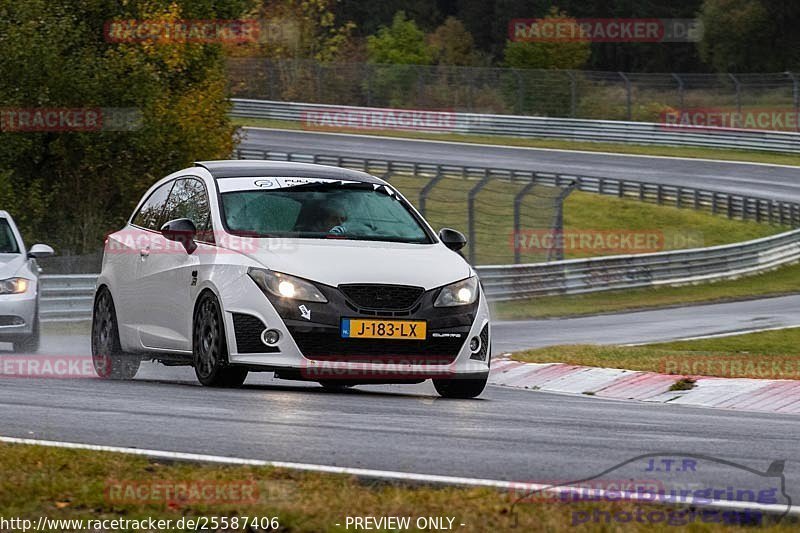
285, 286
14, 285
463, 292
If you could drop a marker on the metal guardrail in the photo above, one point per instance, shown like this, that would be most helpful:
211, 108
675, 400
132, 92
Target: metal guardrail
69, 298
66, 298
314, 116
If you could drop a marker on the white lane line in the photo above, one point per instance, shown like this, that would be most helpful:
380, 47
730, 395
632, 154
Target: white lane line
532, 148
714, 335
521, 489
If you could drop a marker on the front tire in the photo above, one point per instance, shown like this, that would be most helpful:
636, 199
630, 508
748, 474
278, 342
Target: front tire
460, 388
109, 361
209, 349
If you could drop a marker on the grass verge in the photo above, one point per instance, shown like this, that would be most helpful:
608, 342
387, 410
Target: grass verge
75, 484
764, 355
617, 148
785, 280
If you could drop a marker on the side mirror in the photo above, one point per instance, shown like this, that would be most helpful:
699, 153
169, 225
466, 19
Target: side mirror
40, 250
453, 239
181, 230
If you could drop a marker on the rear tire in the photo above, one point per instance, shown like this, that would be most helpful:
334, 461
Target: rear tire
460, 388
30, 344
109, 361
209, 349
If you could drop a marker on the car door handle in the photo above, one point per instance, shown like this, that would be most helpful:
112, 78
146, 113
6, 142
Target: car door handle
144, 252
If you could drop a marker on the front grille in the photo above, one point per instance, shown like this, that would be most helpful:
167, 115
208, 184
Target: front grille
247, 330
330, 346
382, 297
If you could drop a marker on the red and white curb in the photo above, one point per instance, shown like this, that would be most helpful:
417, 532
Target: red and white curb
761, 395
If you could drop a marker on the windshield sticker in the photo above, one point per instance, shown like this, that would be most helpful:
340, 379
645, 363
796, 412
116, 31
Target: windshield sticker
252, 184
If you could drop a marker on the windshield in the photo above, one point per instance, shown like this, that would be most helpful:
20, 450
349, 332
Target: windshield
323, 209
8, 243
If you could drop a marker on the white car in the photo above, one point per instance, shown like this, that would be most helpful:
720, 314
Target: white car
312, 272
19, 287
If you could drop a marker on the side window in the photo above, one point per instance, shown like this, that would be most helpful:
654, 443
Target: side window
189, 199
150, 215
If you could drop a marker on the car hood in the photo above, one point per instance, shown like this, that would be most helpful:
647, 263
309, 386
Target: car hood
10, 264
334, 262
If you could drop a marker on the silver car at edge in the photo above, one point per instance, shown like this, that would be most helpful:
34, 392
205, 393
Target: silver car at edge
19, 287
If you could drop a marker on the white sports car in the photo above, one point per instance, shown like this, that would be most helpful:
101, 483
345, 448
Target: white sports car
19, 287
312, 272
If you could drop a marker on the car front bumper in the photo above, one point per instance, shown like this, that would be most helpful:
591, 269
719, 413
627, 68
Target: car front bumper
17, 315
311, 346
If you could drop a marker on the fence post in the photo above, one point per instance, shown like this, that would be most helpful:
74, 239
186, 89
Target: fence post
558, 225
471, 213
573, 94
627, 93
520, 92
795, 94
680, 89
517, 203
738, 93
423, 194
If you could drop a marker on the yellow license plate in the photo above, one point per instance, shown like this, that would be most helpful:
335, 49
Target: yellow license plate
357, 328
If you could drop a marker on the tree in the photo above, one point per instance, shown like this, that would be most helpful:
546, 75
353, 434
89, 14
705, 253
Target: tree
545, 54
402, 43
452, 44
750, 35
72, 187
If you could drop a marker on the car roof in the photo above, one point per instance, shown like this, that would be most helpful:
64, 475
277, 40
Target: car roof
257, 168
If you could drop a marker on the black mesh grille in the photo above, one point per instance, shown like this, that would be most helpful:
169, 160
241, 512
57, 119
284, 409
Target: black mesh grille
11, 320
480, 355
332, 347
390, 297
247, 329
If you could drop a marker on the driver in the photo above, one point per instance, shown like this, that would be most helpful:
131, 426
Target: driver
323, 218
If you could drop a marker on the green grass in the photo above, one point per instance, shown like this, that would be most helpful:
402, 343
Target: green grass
619, 148
585, 214
766, 355
785, 280
74, 484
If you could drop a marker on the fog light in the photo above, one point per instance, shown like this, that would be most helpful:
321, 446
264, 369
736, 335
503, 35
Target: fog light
270, 337
474, 344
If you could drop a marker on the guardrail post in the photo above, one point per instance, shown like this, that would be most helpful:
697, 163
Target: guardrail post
627, 93
713, 203
659, 194
423, 194
730, 207
678, 198
471, 213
